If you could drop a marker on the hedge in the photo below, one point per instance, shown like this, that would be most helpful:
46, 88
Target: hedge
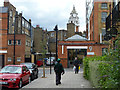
101, 72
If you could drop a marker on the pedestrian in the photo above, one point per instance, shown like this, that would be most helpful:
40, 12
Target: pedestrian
58, 68
76, 64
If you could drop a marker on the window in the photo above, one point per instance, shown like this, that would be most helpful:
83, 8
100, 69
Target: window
26, 68
23, 22
18, 59
65, 34
23, 32
10, 13
52, 34
103, 16
9, 59
104, 51
14, 19
19, 42
103, 31
104, 6
9, 42
19, 24
26, 43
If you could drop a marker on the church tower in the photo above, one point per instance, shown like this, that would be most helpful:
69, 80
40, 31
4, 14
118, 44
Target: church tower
74, 19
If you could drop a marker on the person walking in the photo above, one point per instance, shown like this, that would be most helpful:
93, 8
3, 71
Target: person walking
58, 68
76, 64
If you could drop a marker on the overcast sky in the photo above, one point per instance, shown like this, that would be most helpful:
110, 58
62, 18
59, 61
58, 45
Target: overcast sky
48, 13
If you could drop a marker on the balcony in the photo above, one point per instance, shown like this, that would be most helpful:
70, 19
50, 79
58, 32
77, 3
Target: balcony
108, 22
112, 23
116, 14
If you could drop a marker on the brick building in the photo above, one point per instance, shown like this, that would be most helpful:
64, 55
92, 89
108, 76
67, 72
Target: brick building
93, 44
39, 42
113, 25
3, 35
96, 13
82, 47
16, 33
62, 35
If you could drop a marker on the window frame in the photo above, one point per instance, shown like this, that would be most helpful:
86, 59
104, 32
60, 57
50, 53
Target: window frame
104, 6
103, 17
10, 59
18, 58
18, 42
52, 34
9, 42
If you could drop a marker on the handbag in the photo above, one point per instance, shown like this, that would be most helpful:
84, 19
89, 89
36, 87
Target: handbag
79, 68
74, 68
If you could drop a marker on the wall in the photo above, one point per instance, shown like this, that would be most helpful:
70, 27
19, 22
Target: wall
96, 48
19, 49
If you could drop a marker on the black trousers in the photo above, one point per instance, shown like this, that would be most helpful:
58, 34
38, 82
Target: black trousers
77, 69
58, 78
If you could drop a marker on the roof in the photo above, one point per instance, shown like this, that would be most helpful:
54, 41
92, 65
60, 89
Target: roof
3, 9
76, 38
16, 65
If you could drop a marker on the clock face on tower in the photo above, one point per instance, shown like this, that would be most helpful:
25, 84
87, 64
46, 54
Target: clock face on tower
74, 15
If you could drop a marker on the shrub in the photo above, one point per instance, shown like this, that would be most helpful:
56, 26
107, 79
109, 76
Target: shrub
109, 74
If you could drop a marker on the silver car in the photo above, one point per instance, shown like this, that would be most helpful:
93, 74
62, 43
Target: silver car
52, 61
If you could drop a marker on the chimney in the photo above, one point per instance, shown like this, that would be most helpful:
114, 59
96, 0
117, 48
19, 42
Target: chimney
77, 28
29, 20
6, 0
6, 3
37, 26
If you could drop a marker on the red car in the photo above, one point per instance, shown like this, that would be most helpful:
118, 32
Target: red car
14, 76
39, 62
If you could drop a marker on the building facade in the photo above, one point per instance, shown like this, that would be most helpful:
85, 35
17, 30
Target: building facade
39, 42
96, 13
3, 35
113, 26
17, 39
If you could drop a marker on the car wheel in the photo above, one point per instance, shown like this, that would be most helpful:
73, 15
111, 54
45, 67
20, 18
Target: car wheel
29, 81
20, 83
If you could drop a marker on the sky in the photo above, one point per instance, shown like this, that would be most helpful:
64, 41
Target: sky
49, 13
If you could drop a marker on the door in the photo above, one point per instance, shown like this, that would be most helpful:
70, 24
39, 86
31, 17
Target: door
1, 61
24, 77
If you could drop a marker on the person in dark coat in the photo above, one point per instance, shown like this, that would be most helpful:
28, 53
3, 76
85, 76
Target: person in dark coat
58, 68
76, 64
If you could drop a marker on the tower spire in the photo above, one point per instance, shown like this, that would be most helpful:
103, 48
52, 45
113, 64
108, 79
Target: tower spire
74, 19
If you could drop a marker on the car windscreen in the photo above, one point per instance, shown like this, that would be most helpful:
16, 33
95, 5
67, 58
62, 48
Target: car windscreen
11, 69
28, 65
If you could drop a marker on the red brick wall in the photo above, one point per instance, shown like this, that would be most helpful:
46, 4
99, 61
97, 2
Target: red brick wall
3, 34
96, 48
98, 25
19, 49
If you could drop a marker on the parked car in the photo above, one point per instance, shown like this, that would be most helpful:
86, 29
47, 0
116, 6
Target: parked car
14, 76
52, 61
39, 62
45, 59
33, 69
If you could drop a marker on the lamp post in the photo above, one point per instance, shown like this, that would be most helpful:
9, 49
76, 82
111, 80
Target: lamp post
56, 29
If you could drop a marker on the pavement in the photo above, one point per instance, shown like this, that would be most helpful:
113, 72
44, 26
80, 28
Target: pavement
69, 80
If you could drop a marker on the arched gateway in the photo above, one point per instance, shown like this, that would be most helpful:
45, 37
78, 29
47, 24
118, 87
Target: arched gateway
78, 43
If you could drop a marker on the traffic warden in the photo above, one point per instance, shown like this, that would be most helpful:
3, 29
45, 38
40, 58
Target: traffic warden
58, 68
